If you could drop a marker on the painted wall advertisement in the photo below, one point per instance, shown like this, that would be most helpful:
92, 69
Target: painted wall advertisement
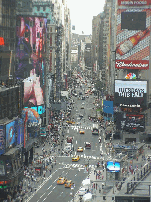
2, 140
133, 38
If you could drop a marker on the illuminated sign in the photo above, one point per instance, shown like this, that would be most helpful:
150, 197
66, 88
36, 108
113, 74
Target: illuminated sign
134, 2
2, 41
130, 76
130, 93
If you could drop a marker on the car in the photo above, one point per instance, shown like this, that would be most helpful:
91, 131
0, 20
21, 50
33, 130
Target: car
99, 139
82, 107
69, 139
75, 95
70, 122
68, 184
88, 145
87, 96
61, 180
82, 132
80, 149
82, 191
76, 158
80, 115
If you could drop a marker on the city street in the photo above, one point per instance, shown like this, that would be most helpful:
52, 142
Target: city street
76, 171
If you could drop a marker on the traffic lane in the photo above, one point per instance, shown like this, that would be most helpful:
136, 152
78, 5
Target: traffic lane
80, 139
50, 191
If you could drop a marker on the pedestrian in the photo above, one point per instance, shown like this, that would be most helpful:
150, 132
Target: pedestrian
102, 177
50, 171
99, 190
96, 185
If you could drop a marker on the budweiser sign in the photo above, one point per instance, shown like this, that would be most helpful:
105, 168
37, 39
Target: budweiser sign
134, 64
134, 2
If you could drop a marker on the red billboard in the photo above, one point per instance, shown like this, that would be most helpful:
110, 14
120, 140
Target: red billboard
134, 2
133, 38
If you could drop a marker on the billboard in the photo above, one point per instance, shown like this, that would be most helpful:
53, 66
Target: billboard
133, 38
2, 140
134, 2
30, 57
20, 131
113, 166
130, 93
10, 134
135, 122
108, 107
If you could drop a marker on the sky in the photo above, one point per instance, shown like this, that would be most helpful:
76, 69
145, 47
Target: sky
82, 12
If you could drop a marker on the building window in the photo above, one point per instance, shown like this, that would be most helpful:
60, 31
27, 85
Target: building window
21, 46
38, 8
31, 23
38, 35
34, 46
48, 21
40, 24
44, 8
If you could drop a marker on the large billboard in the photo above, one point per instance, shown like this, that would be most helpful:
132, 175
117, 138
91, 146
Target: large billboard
130, 93
133, 38
10, 134
134, 122
108, 107
30, 57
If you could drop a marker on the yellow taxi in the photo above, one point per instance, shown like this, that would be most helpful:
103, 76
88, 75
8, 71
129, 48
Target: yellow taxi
76, 158
82, 132
70, 122
61, 180
68, 184
80, 149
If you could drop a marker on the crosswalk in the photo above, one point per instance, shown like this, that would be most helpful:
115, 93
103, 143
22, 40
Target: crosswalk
82, 156
76, 165
81, 127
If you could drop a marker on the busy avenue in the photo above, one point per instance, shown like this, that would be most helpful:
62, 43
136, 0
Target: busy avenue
87, 147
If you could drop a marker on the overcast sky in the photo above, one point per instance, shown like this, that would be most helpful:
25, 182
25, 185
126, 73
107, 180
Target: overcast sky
82, 12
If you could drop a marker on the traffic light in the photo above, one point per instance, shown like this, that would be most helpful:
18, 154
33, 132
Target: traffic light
104, 197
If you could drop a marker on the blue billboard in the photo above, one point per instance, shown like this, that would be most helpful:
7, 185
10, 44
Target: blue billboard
10, 134
20, 131
108, 107
2, 140
113, 166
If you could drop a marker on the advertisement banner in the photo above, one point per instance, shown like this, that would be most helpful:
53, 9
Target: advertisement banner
134, 2
130, 93
133, 38
108, 107
10, 134
20, 131
2, 140
30, 57
134, 122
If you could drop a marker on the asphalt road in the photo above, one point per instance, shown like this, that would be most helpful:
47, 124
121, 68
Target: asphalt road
48, 190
